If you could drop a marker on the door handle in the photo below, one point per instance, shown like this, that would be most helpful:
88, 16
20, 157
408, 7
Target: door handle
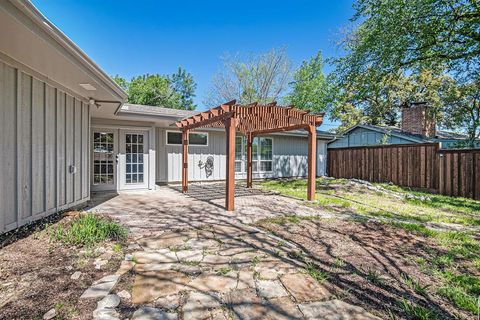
116, 159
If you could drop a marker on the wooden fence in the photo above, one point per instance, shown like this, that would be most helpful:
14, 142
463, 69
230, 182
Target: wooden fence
422, 166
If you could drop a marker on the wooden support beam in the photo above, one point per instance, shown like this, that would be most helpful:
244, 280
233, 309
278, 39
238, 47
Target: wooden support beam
185, 161
312, 162
249, 160
230, 125
280, 129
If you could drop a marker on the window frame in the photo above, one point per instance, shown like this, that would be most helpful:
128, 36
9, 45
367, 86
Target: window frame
179, 144
259, 158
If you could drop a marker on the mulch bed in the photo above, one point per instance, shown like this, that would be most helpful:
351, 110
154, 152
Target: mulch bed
35, 274
367, 263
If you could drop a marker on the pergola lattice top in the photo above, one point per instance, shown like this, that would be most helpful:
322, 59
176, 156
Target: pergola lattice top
253, 119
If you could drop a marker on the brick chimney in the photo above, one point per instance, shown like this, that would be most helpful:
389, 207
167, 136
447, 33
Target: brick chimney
417, 120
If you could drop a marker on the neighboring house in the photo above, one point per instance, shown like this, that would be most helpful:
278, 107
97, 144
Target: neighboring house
416, 127
65, 130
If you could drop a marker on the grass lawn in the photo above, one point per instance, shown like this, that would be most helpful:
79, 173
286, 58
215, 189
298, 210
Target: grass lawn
418, 258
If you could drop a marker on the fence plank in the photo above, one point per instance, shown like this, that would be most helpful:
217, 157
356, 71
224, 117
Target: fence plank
449, 172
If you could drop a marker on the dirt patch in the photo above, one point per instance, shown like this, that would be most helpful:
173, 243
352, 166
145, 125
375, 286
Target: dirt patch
35, 274
368, 264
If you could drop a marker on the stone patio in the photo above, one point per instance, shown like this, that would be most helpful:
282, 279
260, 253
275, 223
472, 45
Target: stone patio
191, 259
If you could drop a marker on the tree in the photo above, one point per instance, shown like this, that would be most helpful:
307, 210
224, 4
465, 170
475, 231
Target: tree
379, 102
463, 110
175, 91
405, 35
182, 82
311, 89
262, 78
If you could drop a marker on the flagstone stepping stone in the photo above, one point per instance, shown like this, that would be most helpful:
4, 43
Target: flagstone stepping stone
270, 289
101, 288
191, 270
304, 288
200, 305
202, 244
160, 256
284, 308
245, 279
52, 313
335, 310
149, 313
190, 255
139, 268
106, 314
151, 285
169, 302
247, 305
215, 260
167, 240
125, 267
213, 282
109, 301
76, 275
124, 294
232, 251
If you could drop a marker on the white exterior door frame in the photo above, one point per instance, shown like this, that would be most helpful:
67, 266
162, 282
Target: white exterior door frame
120, 158
103, 161
133, 159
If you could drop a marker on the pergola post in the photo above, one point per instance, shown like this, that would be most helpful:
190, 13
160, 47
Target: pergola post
312, 162
230, 175
249, 160
185, 160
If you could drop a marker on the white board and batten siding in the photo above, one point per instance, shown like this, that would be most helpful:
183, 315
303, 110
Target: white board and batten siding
44, 131
290, 158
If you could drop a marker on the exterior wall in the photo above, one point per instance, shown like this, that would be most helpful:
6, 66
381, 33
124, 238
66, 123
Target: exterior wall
364, 137
44, 131
289, 158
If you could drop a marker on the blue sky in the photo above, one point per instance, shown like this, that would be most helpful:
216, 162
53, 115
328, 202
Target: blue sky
129, 38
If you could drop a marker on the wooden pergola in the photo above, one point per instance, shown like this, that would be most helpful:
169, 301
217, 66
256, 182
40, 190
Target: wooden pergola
251, 120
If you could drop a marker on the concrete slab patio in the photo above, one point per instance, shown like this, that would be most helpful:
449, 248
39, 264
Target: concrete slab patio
194, 260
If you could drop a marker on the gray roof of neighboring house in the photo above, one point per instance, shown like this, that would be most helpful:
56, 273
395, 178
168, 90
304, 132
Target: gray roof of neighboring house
395, 131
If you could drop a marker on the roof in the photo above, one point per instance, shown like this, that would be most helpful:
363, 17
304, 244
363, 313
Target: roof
80, 57
395, 131
177, 114
156, 111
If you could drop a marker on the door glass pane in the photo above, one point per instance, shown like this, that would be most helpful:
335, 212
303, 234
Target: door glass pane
134, 157
103, 158
238, 148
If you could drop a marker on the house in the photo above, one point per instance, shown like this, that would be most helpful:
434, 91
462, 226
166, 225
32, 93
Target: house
416, 127
66, 130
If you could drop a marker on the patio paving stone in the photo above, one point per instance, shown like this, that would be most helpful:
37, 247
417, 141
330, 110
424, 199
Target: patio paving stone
149, 286
304, 288
335, 310
284, 308
245, 279
189, 255
170, 302
101, 288
270, 289
247, 305
148, 313
214, 282
200, 305
160, 256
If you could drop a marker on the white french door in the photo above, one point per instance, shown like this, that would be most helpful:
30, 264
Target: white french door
104, 160
133, 159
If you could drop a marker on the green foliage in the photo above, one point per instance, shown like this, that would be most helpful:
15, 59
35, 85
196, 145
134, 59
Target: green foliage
88, 230
174, 91
460, 298
375, 277
415, 285
311, 269
311, 90
415, 311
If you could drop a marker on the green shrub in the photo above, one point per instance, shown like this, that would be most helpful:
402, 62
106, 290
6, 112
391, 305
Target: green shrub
87, 230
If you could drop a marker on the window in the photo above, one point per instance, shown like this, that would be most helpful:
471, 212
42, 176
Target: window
194, 138
103, 158
262, 154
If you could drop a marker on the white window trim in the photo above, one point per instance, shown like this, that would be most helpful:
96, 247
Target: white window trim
179, 144
260, 160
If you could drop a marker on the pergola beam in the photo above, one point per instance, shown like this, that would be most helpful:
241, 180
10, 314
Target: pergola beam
252, 120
